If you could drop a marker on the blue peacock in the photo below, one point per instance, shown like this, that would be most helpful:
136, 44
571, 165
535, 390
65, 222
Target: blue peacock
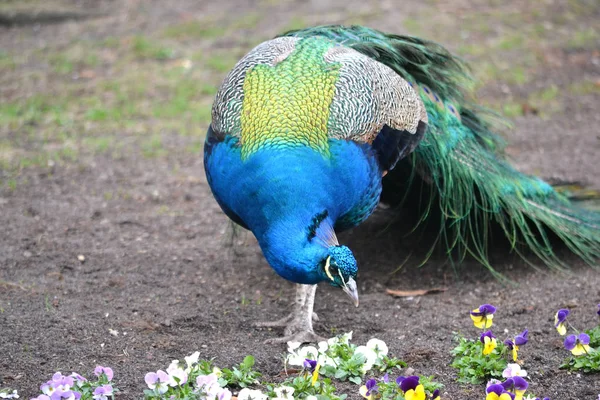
307, 128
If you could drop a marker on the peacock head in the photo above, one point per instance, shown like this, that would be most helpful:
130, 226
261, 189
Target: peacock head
340, 269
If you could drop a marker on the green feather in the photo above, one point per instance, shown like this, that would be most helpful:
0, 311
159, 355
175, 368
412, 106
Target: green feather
459, 169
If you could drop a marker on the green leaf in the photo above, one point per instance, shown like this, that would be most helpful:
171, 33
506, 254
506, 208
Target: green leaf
356, 380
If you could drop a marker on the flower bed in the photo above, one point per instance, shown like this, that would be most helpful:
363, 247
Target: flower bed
312, 371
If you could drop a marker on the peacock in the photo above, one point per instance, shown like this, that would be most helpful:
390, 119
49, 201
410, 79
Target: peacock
309, 128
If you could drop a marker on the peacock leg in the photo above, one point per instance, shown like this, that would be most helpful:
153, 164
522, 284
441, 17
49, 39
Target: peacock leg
298, 325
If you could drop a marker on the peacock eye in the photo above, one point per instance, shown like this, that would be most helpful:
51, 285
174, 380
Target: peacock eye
330, 268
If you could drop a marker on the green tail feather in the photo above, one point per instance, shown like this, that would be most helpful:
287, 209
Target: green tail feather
461, 162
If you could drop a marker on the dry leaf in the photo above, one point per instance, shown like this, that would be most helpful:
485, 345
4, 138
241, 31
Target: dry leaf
413, 293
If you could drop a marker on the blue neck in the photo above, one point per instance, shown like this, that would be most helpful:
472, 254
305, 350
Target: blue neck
288, 195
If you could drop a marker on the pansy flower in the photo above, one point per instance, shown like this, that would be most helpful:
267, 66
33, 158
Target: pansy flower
560, 321
284, 393
99, 370
368, 389
497, 392
310, 365
598, 312
513, 370
378, 346
157, 381
520, 340
482, 316
103, 392
411, 387
249, 394
517, 385
4, 394
489, 342
436, 395
578, 345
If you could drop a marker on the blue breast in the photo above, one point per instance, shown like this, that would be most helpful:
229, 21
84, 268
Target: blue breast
275, 184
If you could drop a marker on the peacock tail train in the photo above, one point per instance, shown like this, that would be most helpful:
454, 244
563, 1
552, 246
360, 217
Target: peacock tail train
460, 167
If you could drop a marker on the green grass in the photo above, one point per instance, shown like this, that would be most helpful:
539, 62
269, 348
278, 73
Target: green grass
153, 147
144, 48
221, 62
584, 87
584, 38
194, 30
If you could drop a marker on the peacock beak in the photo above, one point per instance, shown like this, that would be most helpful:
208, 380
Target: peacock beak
350, 289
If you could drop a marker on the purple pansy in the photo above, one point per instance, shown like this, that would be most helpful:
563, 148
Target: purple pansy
102, 392
522, 338
484, 310
99, 370
371, 386
486, 334
598, 312
41, 397
310, 364
386, 378
80, 379
59, 394
436, 394
519, 383
561, 316
509, 343
407, 383
157, 381
495, 388
560, 320
571, 341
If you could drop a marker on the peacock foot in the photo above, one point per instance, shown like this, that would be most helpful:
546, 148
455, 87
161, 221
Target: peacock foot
283, 322
301, 337
298, 325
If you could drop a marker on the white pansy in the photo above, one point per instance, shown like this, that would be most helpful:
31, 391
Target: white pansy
284, 393
175, 371
6, 395
370, 357
346, 338
293, 346
307, 352
325, 360
323, 346
249, 394
378, 346
192, 359
217, 371
513, 370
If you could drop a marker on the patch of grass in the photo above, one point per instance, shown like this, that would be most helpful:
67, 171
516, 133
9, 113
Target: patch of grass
11, 184
472, 49
144, 48
413, 26
32, 111
221, 62
99, 144
584, 87
194, 29
546, 101
247, 21
7, 61
583, 38
153, 147
512, 109
511, 42
294, 23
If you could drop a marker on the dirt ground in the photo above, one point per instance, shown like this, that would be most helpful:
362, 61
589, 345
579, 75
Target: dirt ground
103, 107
